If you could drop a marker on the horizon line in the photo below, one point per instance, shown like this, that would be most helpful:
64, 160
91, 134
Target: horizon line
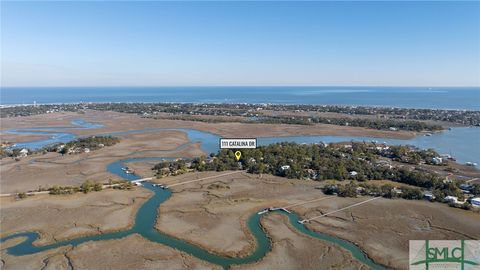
199, 86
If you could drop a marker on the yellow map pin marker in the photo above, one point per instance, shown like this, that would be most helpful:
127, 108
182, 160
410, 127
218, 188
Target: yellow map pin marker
238, 154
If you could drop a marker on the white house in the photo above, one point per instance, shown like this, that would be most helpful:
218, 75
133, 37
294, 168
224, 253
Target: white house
475, 202
23, 152
353, 173
60, 147
397, 191
429, 196
437, 160
451, 199
285, 167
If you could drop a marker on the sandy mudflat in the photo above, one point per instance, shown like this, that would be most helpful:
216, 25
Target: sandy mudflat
211, 213
114, 121
131, 252
383, 227
13, 138
52, 259
292, 250
53, 169
206, 212
67, 216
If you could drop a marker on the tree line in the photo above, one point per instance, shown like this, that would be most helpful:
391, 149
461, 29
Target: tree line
355, 161
464, 117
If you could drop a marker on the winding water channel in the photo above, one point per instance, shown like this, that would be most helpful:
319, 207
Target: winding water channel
146, 216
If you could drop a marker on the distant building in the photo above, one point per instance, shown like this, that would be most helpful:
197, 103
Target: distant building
452, 199
60, 148
475, 202
285, 167
437, 160
23, 152
353, 173
429, 196
397, 191
466, 187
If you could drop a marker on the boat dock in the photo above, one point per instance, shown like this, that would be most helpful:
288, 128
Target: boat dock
141, 180
271, 209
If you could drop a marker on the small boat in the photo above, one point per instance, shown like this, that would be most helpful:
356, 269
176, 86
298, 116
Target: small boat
160, 186
428, 134
471, 164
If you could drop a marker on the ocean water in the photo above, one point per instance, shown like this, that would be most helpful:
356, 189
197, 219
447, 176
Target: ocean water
406, 97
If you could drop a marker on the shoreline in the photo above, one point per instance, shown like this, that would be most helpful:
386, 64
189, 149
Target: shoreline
9, 105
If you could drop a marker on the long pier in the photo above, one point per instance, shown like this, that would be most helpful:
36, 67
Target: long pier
471, 180
201, 179
336, 211
142, 180
302, 203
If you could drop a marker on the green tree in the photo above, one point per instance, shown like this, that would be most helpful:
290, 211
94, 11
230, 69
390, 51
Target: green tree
87, 186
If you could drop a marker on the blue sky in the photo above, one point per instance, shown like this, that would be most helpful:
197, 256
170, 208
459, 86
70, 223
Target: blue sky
240, 43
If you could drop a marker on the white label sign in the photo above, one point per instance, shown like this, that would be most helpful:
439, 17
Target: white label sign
238, 143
